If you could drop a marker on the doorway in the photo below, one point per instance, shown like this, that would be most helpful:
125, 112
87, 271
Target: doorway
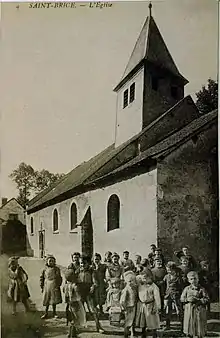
14, 238
87, 234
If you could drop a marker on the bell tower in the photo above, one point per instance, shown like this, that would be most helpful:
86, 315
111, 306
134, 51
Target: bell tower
150, 85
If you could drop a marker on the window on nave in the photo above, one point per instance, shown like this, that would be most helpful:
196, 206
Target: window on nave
55, 221
32, 226
113, 213
73, 216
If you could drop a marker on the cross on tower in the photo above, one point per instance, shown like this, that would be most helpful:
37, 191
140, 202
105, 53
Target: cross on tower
150, 8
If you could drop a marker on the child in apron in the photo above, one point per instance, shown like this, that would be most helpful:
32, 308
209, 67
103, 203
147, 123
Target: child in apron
128, 302
148, 305
113, 305
195, 300
76, 313
50, 282
17, 288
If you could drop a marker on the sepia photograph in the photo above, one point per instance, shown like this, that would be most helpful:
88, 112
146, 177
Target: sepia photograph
109, 185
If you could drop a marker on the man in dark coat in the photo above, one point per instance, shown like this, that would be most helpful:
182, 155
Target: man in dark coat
185, 252
151, 255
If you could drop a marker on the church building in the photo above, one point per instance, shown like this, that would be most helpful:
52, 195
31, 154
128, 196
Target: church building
158, 182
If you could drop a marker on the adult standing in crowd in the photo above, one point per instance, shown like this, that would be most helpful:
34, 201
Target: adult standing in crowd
137, 265
75, 264
126, 262
108, 258
99, 271
151, 255
159, 255
114, 270
185, 252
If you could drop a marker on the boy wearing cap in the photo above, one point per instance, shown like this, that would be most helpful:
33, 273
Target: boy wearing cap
75, 312
206, 280
185, 252
87, 283
159, 272
115, 270
126, 262
108, 258
158, 255
184, 268
205, 275
137, 264
173, 288
152, 254
99, 270
146, 267
74, 265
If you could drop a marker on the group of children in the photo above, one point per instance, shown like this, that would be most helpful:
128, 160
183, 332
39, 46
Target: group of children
143, 291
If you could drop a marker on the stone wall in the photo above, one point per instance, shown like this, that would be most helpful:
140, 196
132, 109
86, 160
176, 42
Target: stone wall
175, 119
156, 102
188, 198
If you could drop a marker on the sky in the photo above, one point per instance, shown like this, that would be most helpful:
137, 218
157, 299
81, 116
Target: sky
59, 67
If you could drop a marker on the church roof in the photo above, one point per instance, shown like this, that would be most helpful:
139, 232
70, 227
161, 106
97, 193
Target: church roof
172, 142
74, 178
151, 47
87, 172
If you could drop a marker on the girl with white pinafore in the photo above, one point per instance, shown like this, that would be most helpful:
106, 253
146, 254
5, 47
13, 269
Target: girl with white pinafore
148, 305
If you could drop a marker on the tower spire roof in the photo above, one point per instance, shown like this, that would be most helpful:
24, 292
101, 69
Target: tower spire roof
151, 47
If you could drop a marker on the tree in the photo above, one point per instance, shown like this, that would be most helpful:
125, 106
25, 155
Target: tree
23, 176
207, 98
44, 179
30, 182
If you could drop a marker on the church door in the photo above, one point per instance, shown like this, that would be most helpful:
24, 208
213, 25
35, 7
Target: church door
87, 234
42, 243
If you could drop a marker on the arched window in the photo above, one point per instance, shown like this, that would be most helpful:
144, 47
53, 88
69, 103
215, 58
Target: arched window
55, 220
32, 226
113, 213
73, 216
